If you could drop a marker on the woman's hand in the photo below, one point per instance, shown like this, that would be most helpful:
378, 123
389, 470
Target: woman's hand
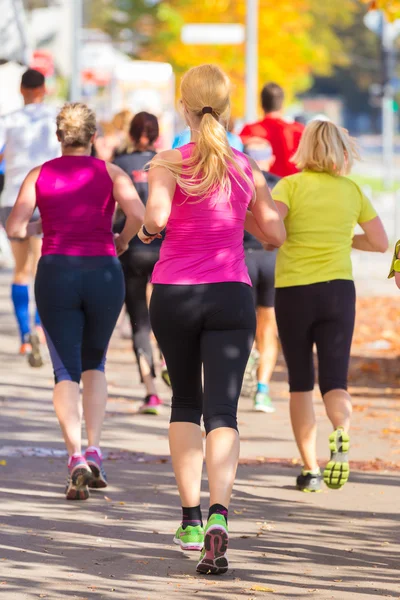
121, 245
147, 239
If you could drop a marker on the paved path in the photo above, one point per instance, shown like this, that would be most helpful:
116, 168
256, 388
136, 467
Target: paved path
284, 544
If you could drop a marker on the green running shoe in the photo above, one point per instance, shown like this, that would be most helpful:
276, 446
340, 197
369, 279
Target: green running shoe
213, 559
263, 403
309, 482
190, 538
337, 471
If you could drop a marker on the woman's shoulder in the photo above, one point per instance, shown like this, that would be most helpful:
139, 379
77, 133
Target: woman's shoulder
171, 155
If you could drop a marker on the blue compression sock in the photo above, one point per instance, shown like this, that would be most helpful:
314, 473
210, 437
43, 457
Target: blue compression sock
38, 322
262, 388
20, 298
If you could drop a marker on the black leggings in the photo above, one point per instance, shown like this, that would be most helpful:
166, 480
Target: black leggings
79, 300
320, 313
210, 326
138, 267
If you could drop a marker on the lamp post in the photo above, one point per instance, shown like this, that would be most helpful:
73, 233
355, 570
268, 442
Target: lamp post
252, 8
77, 23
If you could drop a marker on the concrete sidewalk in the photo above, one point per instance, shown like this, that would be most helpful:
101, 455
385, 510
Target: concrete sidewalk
117, 545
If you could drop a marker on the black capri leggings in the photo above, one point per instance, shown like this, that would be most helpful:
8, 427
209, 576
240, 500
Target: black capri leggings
138, 267
79, 300
210, 326
320, 313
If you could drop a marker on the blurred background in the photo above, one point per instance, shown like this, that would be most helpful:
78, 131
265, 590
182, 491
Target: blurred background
334, 59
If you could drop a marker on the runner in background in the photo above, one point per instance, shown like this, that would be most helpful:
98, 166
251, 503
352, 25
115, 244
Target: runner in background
315, 294
261, 266
79, 285
114, 137
395, 266
202, 309
138, 262
284, 137
29, 138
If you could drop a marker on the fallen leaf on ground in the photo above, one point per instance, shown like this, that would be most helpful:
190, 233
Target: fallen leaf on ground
3, 463
260, 588
238, 512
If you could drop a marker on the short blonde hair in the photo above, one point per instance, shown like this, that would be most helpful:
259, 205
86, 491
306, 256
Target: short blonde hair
76, 124
326, 148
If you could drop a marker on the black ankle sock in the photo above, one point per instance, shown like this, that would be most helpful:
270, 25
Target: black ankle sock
219, 510
191, 516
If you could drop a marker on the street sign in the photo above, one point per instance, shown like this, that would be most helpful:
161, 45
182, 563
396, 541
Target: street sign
213, 33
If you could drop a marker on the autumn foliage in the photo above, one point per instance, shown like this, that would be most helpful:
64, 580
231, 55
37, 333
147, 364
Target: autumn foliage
297, 39
390, 7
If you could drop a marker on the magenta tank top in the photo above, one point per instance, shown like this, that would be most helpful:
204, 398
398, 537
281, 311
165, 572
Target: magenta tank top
204, 239
74, 195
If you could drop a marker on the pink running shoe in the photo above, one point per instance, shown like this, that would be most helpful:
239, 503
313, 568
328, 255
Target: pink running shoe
94, 459
151, 405
80, 476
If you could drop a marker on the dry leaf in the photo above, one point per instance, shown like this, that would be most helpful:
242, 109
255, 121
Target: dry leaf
260, 588
3, 463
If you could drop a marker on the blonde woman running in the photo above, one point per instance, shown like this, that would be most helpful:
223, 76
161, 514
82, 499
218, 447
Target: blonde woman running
202, 309
315, 296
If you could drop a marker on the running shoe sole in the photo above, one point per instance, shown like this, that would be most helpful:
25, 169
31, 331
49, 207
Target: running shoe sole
77, 486
214, 561
264, 409
165, 377
249, 385
337, 471
188, 546
98, 480
34, 357
149, 411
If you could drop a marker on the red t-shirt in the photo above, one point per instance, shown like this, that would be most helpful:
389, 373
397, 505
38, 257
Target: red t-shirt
284, 138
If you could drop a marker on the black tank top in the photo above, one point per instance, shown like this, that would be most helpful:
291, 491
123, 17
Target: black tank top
134, 165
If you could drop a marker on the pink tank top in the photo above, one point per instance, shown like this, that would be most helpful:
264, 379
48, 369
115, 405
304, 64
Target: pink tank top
204, 239
74, 195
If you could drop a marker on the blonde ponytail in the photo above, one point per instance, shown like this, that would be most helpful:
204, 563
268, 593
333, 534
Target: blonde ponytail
205, 93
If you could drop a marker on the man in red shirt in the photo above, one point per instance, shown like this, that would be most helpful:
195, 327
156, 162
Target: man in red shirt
284, 137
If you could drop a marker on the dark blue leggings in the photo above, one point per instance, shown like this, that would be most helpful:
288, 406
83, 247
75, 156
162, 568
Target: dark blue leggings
79, 300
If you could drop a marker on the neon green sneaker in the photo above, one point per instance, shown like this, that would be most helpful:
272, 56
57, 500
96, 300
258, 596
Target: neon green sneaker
213, 559
190, 538
337, 471
263, 403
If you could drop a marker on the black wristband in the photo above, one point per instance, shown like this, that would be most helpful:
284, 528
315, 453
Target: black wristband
147, 234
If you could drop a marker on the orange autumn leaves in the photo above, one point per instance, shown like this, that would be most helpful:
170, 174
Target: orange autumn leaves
297, 38
390, 7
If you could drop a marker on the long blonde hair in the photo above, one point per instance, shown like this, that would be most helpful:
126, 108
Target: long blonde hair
326, 148
205, 93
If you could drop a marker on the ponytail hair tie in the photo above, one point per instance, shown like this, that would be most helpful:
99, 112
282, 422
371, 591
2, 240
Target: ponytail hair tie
207, 109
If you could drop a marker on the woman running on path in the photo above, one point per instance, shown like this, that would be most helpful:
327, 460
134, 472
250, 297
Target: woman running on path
79, 284
138, 262
395, 266
202, 309
261, 267
315, 296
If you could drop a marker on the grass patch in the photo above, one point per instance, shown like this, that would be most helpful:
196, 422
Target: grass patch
375, 183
